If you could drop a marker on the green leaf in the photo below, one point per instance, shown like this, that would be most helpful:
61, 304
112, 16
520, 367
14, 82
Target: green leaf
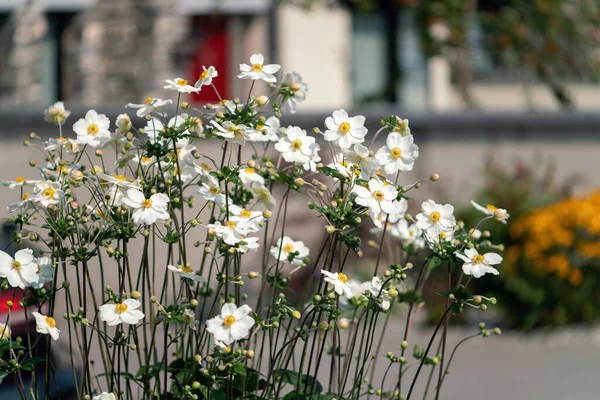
434, 262
291, 377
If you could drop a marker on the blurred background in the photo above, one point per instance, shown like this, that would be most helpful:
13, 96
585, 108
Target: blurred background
502, 97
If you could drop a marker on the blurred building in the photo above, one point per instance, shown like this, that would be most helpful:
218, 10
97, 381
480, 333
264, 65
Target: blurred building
114, 51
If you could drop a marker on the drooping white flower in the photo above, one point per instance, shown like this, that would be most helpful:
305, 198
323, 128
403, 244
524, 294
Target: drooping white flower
93, 130
117, 186
180, 85
477, 264
263, 195
247, 243
435, 218
339, 281
189, 317
206, 76
21, 271
377, 291
186, 272
286, 248
400, 207
499, 214
361, 158
250, 218
45, 272
442, 237
149, 105
57, 113
46, 325
105, 396
344, 130
22, 205
229, 130
296, 146
123, 124
378, 197
232, 324
147, 211
398, 154
231, 231
265, 132
257, 70
213, 193
293, 90
248, 176
121, 313
358, 292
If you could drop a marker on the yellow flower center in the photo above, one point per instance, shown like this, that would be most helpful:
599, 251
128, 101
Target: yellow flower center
378, 194
205, 167
185, 269
344, 127
121, 308
257, 67
295, 87
146, 160
20, 179
92, 129
396, 153
250, 170
147, 203
296, 144
478, 258
182, 82
203, 75
491, 207
288, 248
62, 139
50, 322
148, 100
435, 216
49, 192
26, 196
344, 163
342, 277
245, 213
16, 265
119, 177
443, 235
215, 190
231, 224
228, 320
260, 127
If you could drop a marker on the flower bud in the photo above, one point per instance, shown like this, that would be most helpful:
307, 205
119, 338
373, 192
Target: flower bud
343, 323
434, 177
250, 354
262, 100
330, 229
267, 214
475, 234
252, 274
296, 314
497, 331
477, 300
32, 163
135, 294
393, 293
193, 303
99, 153
323, 326
299, 181
404, 344
185, 105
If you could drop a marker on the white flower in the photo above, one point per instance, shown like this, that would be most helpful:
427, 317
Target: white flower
123, 124
435, 218
499, 214
341, 165
293, 90
229, 130
124, 312
233, 323
21, 271
400, 211
402, 126
154, 127
378, 197
181, 85
222, 346
249, 176
399, 153
408, 234
263, 195
213, 193
296, 146
362, 159
286, 248
186, 272
105, 396
46, 325
247, 243
344, 130
478, 265
57, 113
443, 236
257, 69
189, 317
19, 182
45, 272
339, 281
377, 292
147, 211
22, 205
206, 77
251, 219
118, 185
4, 335
92, 130
266, 132
358, 292
232, 232
150, 105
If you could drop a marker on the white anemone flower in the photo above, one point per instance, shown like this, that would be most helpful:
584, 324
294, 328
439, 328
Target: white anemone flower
284, 249
149, 105
265, 132
499, 214
263, 195
206, 76
213, 193
231, 231
398, 154
377, 291
248, 176
408, 234
147, 211
45, 272
361, 158
228, 130
479, 264
22, 205
378, 197
250, 218
125, 312
93, 130
105, 396
296, 90
247, 243
258, 70
21, 271
339, 281
186, 272
56, 113
5, 334
19, 182
46, 325
358, 292
400, 211
123, 124
435, 218
296, 146
154, 127
344, 130
180, 85
232, 324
